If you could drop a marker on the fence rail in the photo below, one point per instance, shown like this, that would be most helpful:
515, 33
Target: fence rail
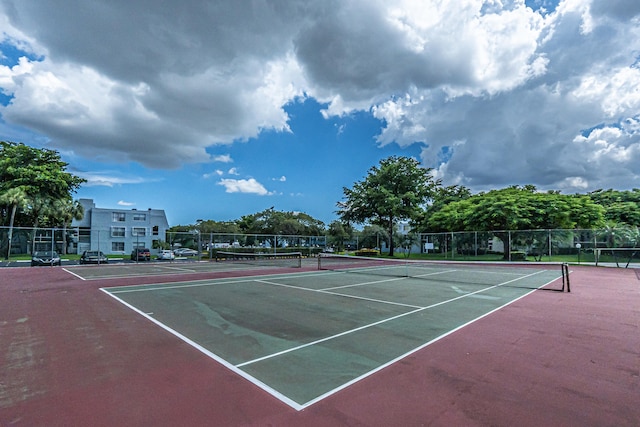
511, 245
515, 245
121, 241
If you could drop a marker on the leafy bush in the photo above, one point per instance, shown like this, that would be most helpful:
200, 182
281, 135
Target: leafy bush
367, 252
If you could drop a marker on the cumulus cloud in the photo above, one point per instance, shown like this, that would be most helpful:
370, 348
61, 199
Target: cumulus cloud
213, 174
109, 178
142, 85
223, 158
495, 93
250, 186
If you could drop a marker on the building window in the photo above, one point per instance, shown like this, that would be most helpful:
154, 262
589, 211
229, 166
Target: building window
117, 246
118, 231
137, 245
156, 230
84, 235
118, 216
139, 216
138, 231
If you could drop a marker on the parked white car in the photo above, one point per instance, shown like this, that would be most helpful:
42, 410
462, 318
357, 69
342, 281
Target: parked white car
166, 255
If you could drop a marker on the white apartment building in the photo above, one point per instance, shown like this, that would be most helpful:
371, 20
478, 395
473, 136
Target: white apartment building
119, 231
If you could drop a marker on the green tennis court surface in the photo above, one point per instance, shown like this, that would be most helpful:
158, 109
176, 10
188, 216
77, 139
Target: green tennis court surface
305, 336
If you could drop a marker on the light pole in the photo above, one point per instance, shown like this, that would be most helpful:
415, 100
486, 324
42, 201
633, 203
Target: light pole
578, 246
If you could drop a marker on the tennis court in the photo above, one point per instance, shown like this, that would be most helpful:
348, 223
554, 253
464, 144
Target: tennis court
232, 344
304, 336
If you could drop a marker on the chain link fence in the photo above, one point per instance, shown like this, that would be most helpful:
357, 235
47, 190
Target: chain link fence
533, 245
21, 241
512, 245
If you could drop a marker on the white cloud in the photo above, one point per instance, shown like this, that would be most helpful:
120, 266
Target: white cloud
233, 171
123, 203
223, 158
494, 92
160, 91
281, 179
250, 186
109, 178
213, 174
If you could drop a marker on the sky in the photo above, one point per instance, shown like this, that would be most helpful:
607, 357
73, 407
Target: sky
212, 110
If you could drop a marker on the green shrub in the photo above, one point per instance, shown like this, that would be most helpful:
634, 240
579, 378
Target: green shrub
367, 252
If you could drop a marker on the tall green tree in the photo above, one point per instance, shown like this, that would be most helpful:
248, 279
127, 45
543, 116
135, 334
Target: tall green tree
518, 208
621, 207
65, 211
42, 176
271, 221
338, 233
395, 190
442, 196
210, 226
372, 236
15, 198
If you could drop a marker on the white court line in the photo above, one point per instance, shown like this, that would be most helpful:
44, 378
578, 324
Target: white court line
202, 282
382, 281
74, 274
380, 322
410, 352
297, 406
179, 269
214, 356
322, 291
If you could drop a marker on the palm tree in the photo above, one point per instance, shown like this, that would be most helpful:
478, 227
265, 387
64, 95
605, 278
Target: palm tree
16, 198
65, 211
614, 234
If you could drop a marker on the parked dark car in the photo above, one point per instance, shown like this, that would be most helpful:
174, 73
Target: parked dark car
45, 258
93, 257
141, 254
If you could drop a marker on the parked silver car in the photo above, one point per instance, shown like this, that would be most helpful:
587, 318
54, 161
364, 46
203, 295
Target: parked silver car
185, 252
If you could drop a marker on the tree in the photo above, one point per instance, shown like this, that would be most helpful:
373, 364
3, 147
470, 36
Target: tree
338, 233
396, 190
620, 206
271, 221
15, 198
441, 197
42, 176
372, 235
615, 234
518, 208
210, 226
66, 211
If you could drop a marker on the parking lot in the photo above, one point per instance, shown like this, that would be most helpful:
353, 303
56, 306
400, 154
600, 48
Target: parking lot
124, 260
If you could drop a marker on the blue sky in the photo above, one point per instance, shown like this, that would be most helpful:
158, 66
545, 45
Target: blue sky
303, 170
227, 108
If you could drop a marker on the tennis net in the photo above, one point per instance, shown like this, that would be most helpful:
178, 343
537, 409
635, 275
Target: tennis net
277, 259
621, 257
510, 274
